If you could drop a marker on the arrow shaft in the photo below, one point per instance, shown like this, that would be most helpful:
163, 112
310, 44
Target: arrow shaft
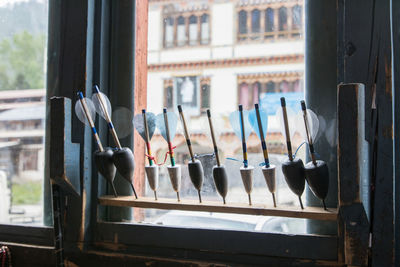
147, 139
261, 131
90, 120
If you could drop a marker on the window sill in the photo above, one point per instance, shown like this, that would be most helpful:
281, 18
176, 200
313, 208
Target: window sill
32, 235
314, 213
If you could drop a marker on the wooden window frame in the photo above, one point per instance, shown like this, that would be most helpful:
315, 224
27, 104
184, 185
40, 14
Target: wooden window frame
87, 234
133, 236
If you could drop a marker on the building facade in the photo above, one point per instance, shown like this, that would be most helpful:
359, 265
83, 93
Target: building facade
218, 54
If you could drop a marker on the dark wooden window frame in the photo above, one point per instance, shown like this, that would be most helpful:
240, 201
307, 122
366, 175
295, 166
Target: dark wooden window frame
88, 236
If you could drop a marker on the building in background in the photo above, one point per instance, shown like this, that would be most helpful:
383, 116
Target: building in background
22, 128
218, 54
214, 54
22, 114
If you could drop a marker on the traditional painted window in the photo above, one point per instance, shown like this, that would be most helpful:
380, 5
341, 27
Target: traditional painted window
242, 23
205, 29
255, 21
181, 31
186, 28
249, 94
192, 92
168, 93
269, 21
296, 17
169, 32
205, 93
270, 87
283, 19
193, 30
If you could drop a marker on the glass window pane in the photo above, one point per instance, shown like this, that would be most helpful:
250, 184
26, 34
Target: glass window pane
269, 20
181, 31
283, 25
297, 20
23, 40
270, 87
205, 29
242, 22
205, 96
255, 20
169, 32
193, 30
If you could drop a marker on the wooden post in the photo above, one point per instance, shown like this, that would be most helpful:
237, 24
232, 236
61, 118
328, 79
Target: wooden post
121, 81
320, 83
353, 226
140, 92
64, 155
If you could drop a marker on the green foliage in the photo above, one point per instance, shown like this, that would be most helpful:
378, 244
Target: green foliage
26, 193
22, 61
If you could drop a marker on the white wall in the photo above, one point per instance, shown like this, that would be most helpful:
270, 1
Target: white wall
223, 84
155, 30
222, 29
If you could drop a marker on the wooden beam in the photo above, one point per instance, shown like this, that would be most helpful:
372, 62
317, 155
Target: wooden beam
140, 92
352, 162
227, 245
314, 213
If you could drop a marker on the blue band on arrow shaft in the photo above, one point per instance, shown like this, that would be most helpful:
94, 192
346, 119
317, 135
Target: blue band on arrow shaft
94, 130
110, 125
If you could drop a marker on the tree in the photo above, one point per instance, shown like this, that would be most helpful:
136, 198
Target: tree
22, 61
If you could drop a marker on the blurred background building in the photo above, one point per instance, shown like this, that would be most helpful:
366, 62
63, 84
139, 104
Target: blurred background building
218, 54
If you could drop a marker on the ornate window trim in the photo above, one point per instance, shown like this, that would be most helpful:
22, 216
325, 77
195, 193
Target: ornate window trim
290, 31
201, 15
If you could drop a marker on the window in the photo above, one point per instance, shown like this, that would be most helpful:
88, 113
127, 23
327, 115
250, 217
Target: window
268, 22
205, 31
193, 30
185, 28
219, 78
242, 24
181, 31
270, 87
284, 87
283, 21
192, 92
22, 110
205, 93
297, 19
169, 32
255, 21
168, 93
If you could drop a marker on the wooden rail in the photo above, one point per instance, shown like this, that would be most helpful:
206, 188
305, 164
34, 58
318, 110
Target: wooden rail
211, 206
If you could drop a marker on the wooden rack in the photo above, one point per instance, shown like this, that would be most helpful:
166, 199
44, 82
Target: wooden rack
213, 206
